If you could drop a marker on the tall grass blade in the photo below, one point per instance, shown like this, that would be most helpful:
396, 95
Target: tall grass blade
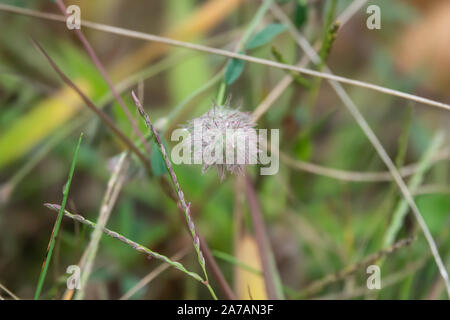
55, 231
402, 207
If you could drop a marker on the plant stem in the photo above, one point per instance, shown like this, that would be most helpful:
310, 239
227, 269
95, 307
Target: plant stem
349, 270
115, 184
259, 15
136, 246
229, 54
180, 194
211, 290
105, 76
402, 207
270, 273
221, 95
102, 115
57, 224
373, 139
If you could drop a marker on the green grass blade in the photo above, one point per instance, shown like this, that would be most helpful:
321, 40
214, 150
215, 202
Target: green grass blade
57, 224
402, 206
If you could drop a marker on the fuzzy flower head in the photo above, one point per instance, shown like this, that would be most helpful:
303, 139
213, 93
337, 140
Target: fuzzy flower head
224, 138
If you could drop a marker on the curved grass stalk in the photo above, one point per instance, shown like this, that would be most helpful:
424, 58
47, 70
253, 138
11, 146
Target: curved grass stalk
115, 184
102, 115
361, 121
99, 65
276, 92
185, 206
316, 286
10, 293
137, 151
8, 187
415, 182
136, 246
356, 176
230, 54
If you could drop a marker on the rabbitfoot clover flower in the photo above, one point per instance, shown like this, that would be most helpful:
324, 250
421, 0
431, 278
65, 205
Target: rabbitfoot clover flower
224, 138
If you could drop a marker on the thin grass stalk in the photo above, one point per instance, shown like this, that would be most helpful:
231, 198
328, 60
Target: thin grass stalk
327, 32
415, 182
386, 206
103, 116
270, 273
136, 246
7, 188
115, 184
276, 92
318, 285
185, 206
350, 11
216, 271
12, 295
328, 37
299, 79
105, 75
388, 281
238, 214
123, 86
57, 225
259, 15
357, 176
432, 188
230, 54
360, 120
212, 263
35, 158
69, 292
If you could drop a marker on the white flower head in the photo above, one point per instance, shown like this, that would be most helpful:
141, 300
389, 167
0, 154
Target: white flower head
227, 139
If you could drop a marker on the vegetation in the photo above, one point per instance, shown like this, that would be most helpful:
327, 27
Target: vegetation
86, 176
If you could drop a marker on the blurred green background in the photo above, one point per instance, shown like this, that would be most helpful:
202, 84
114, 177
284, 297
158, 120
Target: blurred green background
317, 225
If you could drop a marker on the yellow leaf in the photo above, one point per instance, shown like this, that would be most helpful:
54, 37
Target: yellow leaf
35, 125
249, 285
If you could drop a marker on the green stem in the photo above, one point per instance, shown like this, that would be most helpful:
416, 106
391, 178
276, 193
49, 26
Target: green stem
221, 94
211, 290
57, 224
248, 32
136, 246
396, 222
